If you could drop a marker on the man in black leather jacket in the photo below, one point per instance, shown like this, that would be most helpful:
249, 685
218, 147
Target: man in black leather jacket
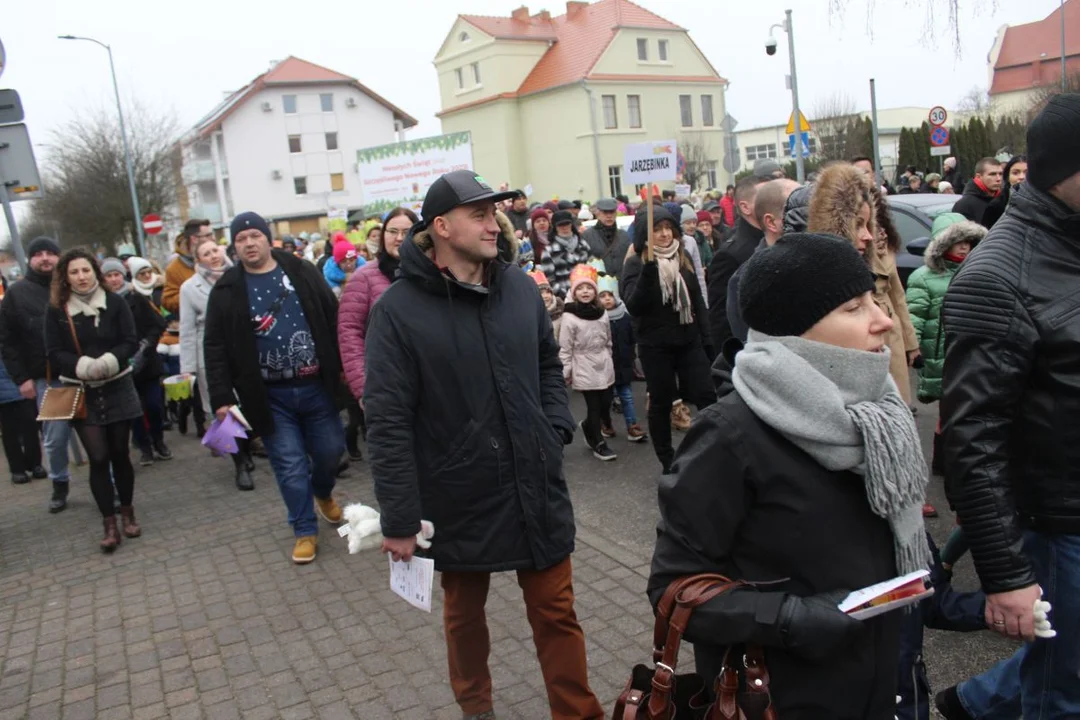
1011, 409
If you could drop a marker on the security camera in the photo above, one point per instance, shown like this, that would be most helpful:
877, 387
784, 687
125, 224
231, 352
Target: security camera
770, 45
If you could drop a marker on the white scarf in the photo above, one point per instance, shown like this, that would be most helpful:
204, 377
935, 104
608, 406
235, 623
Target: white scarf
89, 303
145, 289
842, 408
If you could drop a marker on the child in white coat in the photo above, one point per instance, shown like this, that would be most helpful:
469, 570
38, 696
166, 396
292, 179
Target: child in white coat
585, 351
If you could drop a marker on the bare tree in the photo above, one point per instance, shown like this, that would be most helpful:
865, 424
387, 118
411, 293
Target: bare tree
932, 10
976, 100
833, 116
87, 199
1045, 92
695, 152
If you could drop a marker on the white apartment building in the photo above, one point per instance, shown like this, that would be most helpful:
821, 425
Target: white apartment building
285, 146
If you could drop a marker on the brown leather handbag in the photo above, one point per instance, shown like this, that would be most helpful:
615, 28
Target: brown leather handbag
67, 402
657, 693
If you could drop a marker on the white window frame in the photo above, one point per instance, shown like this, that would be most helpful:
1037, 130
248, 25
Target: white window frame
662, 50
460, 73
476, 73
708, 119
285, 104
633, 111
303, 179
615, 180
686, 110
609, 105
322, 97
643, 49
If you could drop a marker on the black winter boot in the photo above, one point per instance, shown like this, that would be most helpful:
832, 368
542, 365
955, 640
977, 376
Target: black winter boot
58, 501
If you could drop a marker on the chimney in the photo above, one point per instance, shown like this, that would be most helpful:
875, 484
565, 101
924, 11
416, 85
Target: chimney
543, 16
573, 7
521, 14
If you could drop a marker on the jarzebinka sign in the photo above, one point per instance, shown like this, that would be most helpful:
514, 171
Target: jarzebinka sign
649, 161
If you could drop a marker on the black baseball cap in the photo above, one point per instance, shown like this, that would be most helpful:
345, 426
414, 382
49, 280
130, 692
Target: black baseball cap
459, 187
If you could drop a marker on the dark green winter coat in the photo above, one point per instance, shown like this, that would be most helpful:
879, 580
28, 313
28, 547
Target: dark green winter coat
925, 294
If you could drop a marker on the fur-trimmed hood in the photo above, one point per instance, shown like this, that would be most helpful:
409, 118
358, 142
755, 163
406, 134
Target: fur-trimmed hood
840, 191
968, 231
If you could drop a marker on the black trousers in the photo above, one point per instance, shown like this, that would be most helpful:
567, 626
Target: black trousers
668, 370
598, 406
107, 448
356, 425
18, 422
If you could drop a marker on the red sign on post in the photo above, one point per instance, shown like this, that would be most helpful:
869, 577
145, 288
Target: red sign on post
152, 224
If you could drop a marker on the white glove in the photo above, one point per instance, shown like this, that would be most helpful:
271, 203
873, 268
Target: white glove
104, 367
1042, 620
83, 367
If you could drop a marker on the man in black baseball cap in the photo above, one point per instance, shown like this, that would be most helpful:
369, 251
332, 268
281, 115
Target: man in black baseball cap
467, 414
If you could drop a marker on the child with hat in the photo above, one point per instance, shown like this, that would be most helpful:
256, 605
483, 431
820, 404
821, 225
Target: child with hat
553, 304
341, 266
622, 355
585, 351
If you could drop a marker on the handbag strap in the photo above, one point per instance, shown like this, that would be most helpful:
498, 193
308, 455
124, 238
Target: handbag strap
78, 348
686, 594
757, 685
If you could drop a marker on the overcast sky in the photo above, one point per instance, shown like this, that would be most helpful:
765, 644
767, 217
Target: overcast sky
181, 58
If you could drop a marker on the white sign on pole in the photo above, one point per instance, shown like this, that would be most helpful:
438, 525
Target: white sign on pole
17, 164
652, 161
940, 150
401, 173
682, 191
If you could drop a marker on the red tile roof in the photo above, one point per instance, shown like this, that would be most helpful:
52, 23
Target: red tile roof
292, 71
578, 39
1020, 63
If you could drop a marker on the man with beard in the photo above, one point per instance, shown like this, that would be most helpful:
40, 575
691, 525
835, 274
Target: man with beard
605, 240
22, 343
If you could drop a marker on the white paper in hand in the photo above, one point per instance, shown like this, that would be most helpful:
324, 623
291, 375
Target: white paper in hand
413, 580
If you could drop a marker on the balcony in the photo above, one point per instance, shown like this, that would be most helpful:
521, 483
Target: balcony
210, 211
198, 171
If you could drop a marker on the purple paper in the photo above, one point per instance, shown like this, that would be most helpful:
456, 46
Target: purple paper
221, 435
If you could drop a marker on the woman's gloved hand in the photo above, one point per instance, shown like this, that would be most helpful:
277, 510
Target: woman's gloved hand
814, 627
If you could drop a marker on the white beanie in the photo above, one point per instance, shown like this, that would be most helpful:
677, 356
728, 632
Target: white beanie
688, 214
137, 264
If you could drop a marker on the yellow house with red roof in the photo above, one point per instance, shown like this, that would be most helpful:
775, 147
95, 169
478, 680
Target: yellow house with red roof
552, 101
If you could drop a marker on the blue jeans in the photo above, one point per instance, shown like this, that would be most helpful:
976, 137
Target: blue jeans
304, 449
626, 396
57, 434
1040, 679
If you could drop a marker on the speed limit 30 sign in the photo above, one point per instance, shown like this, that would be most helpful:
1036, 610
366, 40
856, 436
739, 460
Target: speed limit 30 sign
938, 116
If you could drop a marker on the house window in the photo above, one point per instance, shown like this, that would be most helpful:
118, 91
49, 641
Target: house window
476, 72
289, 103
686, 111
611, 120
633, 104
464, 37
711, 174
642, 49
706, 111
337, 182
614, 174
326, 100
663, 50
760, 152
300, 185
331, 141
294, 144
460, 79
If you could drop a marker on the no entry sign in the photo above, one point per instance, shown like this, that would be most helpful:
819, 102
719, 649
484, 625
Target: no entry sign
152, 224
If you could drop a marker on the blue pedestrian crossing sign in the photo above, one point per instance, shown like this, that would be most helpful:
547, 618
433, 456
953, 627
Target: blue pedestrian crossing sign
804, 140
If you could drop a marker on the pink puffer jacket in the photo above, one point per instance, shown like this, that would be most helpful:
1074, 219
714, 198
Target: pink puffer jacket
585, 352
366, 286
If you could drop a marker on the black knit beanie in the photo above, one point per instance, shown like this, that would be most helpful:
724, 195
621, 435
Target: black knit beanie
787, 288
248, 220
1053, 142
41, 244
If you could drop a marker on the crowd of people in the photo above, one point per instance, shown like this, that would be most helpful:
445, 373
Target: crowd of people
452, 341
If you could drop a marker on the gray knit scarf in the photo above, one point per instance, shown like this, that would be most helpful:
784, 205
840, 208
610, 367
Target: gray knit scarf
842, 408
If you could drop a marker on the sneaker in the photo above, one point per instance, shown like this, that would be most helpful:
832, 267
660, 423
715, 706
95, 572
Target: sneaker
636, 434
39, 473
603, 452
948, 704
304, 549
929, 511
162, 451
146, 457
328, 509
607, 431
20, 478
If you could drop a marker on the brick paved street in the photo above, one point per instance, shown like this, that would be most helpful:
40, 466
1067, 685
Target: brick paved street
205, 615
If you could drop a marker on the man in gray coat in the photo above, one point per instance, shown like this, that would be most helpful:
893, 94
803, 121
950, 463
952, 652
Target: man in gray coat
605, 240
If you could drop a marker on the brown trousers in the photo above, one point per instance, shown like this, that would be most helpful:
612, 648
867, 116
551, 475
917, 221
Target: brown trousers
560, 643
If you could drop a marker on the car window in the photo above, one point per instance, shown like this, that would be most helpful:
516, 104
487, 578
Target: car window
909, 226
934, 210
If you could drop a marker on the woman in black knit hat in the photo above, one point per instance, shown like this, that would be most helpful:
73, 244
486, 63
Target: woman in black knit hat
671, 323
805, 476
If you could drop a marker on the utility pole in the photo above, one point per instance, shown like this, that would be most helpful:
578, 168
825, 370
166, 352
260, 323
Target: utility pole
874, 134
800, 171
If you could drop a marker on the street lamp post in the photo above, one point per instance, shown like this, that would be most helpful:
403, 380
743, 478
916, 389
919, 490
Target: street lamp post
800, 171
123, 138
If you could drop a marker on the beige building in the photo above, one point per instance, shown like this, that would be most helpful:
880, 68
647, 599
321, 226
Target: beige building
772, 141
552, 102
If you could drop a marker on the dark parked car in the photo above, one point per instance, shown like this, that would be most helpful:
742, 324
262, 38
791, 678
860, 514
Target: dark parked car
913, 216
